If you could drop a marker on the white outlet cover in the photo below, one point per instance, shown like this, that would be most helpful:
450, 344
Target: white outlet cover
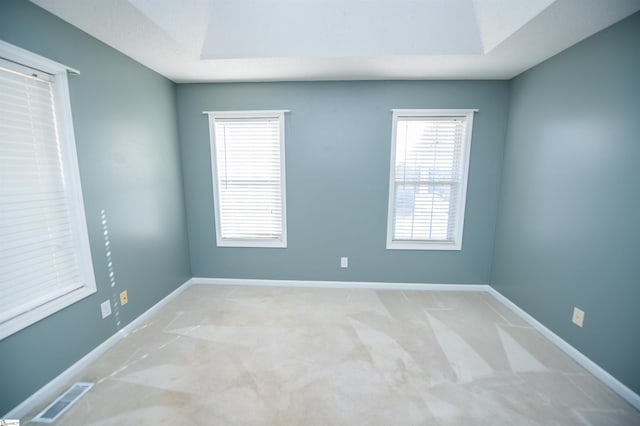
105, 307
578, 317
344, 262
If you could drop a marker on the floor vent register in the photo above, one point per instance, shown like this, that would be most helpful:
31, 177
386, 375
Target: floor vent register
63, 403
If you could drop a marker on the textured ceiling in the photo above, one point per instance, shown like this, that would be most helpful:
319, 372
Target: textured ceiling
267, 40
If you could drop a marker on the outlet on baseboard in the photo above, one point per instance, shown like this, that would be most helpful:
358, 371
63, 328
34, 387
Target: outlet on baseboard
578, 316
124, 299
344, 262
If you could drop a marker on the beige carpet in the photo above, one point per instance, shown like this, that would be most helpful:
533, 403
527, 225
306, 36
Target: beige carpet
292, 356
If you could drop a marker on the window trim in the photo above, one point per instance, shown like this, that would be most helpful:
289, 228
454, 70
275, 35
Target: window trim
248, 242
69, 160
468, 114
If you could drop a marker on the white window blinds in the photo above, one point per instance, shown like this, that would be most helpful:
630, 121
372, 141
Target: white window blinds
40, 266
428, 178
248, 168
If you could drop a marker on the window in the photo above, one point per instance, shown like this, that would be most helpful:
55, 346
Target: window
45, 262
427, 186
247, 161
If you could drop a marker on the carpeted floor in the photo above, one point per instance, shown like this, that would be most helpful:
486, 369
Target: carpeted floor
293, 356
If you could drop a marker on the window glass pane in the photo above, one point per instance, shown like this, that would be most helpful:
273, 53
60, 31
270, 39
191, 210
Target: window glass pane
249, 170
427, 178
42, 244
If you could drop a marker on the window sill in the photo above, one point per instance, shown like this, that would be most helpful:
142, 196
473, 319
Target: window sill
423, 245
251, 243
19, 322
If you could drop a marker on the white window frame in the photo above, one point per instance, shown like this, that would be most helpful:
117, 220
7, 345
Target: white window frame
248, 242
66, 141
462, 194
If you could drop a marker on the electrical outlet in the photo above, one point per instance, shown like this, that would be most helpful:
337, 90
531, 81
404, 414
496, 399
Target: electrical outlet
123, 298
105, 308
344, 262
578, 316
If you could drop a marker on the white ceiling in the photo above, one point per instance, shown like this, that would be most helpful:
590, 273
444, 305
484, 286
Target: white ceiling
279, 40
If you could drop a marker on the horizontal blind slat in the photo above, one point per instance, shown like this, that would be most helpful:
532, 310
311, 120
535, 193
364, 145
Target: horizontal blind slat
249, 169
428, 170
38, 262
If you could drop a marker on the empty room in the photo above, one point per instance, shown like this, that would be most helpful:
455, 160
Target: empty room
321, 212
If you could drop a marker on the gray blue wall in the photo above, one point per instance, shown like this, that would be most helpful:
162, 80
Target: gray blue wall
126, 135
338, 139
568, 230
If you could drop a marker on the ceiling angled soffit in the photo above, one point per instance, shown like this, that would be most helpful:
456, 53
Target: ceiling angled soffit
279, 40
228, 29
186, 22
499, 20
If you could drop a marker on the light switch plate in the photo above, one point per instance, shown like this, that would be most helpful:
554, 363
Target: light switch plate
105, 308
344, 262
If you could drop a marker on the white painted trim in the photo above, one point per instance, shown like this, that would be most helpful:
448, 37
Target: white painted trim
618, 387
339, 284
456, 244
433, 112
593, 368
55, 386
278, 242
65, 140
247, 114
19, 55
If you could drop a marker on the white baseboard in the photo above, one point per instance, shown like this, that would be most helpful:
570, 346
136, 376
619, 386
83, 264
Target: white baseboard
55, 386
593, 368
339, 284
